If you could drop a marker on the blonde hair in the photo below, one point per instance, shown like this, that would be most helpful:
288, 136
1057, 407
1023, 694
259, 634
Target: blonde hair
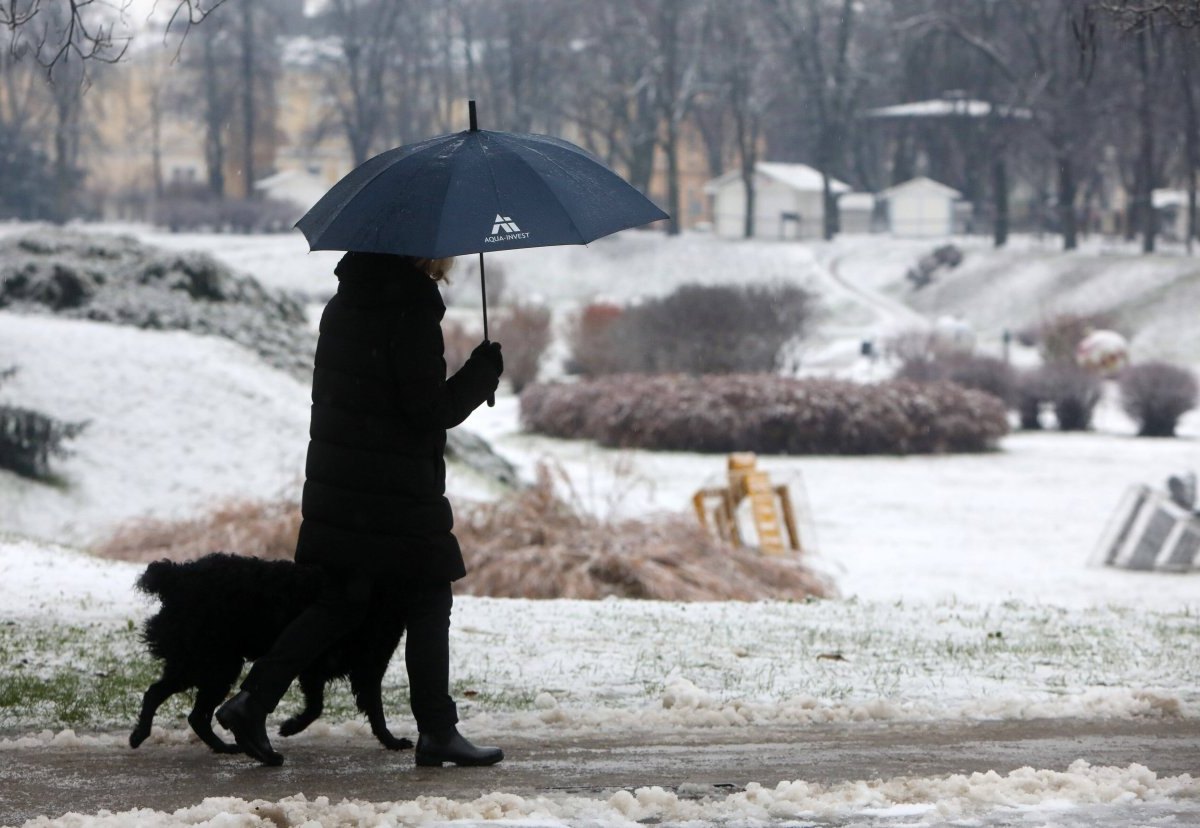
436, 269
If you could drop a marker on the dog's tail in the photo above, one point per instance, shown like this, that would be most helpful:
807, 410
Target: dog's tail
158, 578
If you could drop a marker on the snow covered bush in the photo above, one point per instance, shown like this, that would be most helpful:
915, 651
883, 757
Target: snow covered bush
187, 213
524, 332
1073, 391
766, 413
700, 329
121, 280
1156, 395
593, 348
981, 373
1032, 392
1058, 337
28, 439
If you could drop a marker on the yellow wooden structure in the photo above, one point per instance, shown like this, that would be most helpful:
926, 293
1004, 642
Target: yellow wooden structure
770, 508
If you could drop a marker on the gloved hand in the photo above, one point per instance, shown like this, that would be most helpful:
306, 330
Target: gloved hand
489, 353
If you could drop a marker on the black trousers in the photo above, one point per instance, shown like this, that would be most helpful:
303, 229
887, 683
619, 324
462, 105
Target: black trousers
339, 611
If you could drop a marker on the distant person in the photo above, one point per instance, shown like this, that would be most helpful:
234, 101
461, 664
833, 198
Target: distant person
374, 502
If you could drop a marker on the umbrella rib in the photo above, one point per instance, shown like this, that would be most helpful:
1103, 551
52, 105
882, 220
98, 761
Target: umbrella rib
434, 144
565, 171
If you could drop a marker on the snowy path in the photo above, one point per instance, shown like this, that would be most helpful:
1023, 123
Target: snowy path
689, 764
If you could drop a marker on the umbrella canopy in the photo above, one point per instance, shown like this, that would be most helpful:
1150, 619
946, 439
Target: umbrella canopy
475, 192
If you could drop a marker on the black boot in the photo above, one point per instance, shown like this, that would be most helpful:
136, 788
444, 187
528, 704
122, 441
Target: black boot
243, 717
451, 746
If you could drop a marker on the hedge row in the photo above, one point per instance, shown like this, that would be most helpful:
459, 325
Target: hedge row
767, 414
696, 329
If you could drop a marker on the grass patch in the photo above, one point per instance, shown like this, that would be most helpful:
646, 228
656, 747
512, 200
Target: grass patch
623, 654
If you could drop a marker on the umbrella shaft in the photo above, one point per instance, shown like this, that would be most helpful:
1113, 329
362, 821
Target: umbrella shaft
483, 295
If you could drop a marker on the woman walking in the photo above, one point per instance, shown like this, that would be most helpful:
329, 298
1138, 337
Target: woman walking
374, 503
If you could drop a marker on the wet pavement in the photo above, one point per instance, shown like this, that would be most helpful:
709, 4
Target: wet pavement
53, 781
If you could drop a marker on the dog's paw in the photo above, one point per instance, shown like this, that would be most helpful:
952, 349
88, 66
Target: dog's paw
138, 736
225, 747
392, 743
293, 726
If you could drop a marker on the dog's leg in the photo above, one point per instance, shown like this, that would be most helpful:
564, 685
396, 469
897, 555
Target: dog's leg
368, 695
313, 687
157, 693
208, 697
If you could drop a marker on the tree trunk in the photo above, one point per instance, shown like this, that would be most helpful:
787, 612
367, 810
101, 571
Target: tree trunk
214, 141
156, 170
644, 141
1066, 202
829, 224
751, 198
828, 207
671, 149
1000, 201
1145, 173
62, 165
1191, 141
248, 108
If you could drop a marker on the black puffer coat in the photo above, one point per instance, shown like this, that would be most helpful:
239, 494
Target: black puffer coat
374, 497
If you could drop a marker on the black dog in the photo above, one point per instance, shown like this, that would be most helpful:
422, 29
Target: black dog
223, 610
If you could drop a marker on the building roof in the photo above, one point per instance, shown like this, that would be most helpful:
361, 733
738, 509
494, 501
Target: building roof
921, 183
1169, 198
797, 176
302, 187
949, 108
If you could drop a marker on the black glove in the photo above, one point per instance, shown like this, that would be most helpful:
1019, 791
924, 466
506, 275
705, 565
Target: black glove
489, 353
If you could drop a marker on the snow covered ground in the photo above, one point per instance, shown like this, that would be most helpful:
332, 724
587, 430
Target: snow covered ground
965, 580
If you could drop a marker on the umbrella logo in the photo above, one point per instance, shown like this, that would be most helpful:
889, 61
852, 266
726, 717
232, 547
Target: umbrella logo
504, 229
506, 224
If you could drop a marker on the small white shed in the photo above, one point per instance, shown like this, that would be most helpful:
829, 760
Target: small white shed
788, 202
921, 207
1172, 209
301, 187
856, 212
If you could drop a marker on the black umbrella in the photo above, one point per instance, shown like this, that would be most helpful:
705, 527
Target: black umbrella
474, 192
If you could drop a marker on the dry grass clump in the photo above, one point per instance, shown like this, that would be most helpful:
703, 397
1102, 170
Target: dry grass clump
257, 528
533, 544
537, 545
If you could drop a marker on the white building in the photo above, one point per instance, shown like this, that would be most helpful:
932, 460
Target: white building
921, 207
1172, 209
301, 187
788, 202
856, 212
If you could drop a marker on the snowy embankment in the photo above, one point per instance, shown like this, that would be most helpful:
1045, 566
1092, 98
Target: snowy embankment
177, 422
1078, 795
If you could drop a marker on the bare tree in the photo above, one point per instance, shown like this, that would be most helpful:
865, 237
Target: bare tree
1167, 37
1059, 41
366, 37
52, 31
674, 27
743, 84
613, 107
820, 60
